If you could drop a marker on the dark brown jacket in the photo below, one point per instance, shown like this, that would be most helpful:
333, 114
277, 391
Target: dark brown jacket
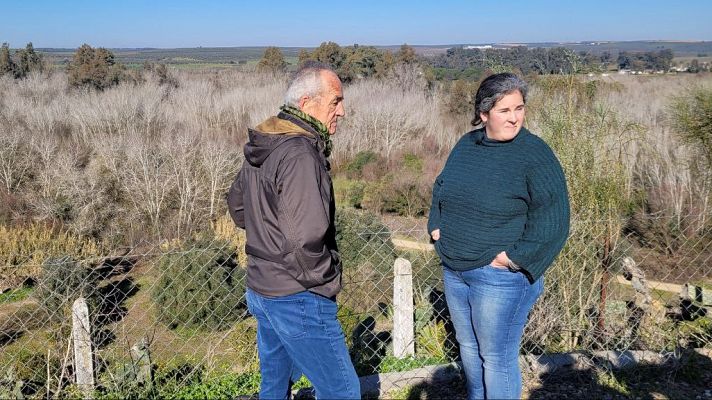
284, 199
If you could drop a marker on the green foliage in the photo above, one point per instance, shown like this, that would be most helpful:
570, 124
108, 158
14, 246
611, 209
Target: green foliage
690, 116
360, 160
7, 66
432, 342
697, 333
349, 193
642, 60
328, 53
63, 280
589, 141
26, 61
541, 61
95, 68
413, 162
201, 286
393, 364
363, 239
366, 252
223, 387
352, 62
27, 375
14, 295
183, 381
272, 61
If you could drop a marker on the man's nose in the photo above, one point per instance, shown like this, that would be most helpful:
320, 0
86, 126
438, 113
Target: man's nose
340, 111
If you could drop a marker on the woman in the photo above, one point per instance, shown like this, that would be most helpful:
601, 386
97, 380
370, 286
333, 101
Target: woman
499, 216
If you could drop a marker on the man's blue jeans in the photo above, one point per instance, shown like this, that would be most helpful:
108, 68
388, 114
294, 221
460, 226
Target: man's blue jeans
489, 308
299, 334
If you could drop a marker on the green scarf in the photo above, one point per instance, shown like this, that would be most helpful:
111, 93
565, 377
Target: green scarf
314, 123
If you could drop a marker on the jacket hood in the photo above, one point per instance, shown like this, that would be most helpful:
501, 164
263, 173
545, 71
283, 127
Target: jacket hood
269, 134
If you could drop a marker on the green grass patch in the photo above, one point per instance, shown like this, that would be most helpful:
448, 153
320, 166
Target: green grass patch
393, 364
613, 382
14, 295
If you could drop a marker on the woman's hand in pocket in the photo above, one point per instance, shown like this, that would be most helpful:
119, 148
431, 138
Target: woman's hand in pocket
435, 234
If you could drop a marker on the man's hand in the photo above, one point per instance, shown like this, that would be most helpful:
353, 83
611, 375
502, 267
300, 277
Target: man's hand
435, 234
501, 261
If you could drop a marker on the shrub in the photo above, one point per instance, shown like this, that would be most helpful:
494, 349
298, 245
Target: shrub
349, 193
272, 61
28, 376
161, 72
461, 96
201, 285
690, 116
95, 68
363, 239
360, 160
64, 280
367, 256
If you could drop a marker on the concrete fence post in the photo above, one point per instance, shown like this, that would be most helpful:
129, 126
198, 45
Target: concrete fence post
81, 338
403, 335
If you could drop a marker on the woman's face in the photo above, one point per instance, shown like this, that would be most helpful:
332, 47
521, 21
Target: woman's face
505, 119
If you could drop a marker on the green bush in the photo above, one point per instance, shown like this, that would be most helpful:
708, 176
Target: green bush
349, 193
406, 192
367, 256
363, 239
63, 280
201, 286
355, 167
27, 375
690, 116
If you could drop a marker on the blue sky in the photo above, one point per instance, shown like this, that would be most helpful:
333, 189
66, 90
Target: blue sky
179, 23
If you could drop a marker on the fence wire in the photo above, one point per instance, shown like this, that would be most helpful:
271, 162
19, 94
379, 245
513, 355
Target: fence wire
168, 318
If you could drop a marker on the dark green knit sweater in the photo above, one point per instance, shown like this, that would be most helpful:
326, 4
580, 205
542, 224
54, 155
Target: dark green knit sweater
495, 196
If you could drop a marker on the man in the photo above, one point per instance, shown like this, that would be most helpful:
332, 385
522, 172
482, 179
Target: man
283, 198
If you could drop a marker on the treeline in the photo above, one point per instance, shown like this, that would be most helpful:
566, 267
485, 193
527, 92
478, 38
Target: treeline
540, 61
459, 63
646, 60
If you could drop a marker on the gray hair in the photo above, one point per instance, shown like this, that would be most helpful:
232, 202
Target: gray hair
493, 88
306, 82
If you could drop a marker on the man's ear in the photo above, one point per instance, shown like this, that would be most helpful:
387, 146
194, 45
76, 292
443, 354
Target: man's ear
302, 101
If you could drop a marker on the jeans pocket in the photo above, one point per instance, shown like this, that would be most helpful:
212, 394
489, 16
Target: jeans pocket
327, 307
504, 276
287, 316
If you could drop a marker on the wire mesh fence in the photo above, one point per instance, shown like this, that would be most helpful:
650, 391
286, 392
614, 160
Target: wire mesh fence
171, 317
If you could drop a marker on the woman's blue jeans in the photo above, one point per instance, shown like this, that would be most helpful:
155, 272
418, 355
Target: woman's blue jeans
489, 308
299, 334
